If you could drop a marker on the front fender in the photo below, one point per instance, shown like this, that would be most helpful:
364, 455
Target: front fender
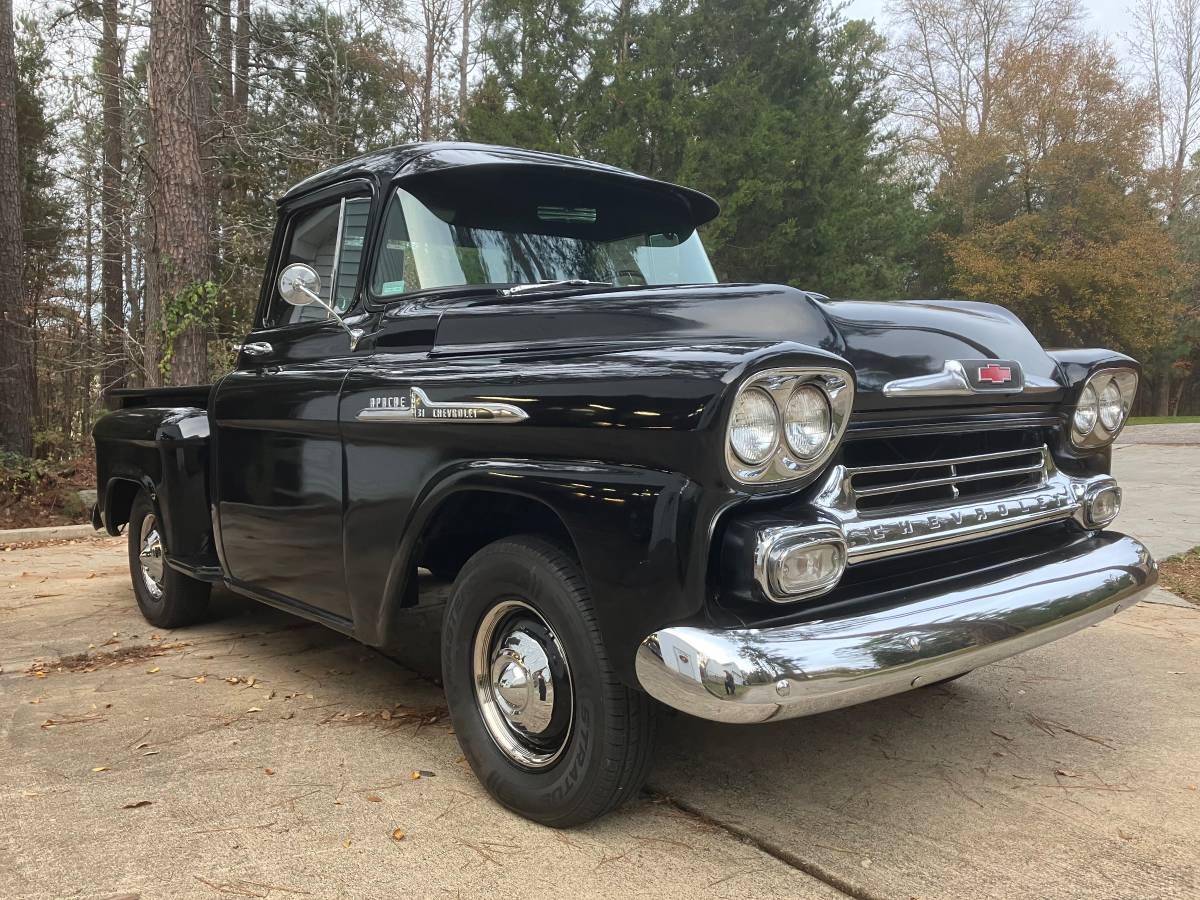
638, 533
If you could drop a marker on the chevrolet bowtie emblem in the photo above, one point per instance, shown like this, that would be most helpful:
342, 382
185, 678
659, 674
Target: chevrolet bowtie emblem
995, 374
964, 377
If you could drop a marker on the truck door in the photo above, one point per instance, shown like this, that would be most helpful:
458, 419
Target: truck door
278, 471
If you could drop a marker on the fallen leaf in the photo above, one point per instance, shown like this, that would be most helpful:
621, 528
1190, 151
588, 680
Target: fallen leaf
415, 775
397, 835
137, 804
374, 798
100, 769
152, 671
346, 843
199, 679
254, 709
425, 773
269, 771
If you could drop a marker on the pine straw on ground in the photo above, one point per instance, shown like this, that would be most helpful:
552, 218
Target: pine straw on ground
91, 661
1181, 575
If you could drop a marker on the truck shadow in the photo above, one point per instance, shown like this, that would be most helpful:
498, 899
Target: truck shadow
968, 731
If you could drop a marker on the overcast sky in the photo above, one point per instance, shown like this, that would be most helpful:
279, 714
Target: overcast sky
1107, 17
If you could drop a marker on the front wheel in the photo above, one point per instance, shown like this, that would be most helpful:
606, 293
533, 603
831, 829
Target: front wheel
167, 598
542, 718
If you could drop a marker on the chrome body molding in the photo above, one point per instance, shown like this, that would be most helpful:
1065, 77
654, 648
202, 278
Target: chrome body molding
750, 675
873, 534
416, 407
968, 377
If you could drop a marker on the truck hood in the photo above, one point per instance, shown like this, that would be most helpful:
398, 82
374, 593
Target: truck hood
882, 341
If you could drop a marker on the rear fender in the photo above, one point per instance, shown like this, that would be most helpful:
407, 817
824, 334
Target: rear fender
165, 453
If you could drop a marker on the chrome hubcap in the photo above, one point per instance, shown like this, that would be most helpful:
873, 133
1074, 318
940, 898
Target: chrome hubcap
151, 556
522, 684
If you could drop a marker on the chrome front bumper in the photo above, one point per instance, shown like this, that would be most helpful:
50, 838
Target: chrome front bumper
758, 675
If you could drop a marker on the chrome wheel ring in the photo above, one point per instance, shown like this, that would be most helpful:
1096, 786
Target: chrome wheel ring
151, 556
522, 684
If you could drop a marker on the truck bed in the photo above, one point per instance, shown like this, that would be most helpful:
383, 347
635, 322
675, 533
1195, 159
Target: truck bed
195, 395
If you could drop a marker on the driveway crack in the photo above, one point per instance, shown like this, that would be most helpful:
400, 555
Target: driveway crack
784, 855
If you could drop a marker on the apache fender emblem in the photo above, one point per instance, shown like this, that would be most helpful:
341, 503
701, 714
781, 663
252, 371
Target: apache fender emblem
415, 406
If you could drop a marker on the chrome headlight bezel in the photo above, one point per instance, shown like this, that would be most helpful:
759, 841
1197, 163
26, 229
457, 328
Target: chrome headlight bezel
784, 465
1100, 434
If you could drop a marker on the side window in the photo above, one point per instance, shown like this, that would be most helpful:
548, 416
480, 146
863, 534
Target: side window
330, 239
395, 269
350, 251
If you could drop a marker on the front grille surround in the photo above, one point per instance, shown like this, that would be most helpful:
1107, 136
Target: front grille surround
913, 493
947, 480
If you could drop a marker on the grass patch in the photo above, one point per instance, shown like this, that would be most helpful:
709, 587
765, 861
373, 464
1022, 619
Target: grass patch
1164, 420
1181, 575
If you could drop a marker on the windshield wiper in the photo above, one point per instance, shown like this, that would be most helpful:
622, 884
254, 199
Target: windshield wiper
551, 285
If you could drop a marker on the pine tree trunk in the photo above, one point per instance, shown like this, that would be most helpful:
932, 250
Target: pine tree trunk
16, 367
179, 262
241, 61
111, 201
1162, 394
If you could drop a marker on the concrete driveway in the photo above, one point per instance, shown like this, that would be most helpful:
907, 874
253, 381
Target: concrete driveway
260, 756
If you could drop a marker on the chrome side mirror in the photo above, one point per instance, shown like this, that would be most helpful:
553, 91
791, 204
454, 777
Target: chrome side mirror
300, 285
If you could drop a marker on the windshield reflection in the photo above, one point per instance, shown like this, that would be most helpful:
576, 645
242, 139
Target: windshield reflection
427, 247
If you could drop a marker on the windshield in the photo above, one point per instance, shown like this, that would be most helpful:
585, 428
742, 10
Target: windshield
532, 232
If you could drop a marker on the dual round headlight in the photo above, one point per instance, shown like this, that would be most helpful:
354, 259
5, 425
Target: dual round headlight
785, 423
1104, 404
806, 424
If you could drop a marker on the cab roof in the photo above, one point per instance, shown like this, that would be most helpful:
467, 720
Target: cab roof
405, 160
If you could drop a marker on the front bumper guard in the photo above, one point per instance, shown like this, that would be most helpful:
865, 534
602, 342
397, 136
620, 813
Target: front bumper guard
753, 675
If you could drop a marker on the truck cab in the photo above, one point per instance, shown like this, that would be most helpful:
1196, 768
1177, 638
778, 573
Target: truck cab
518, 373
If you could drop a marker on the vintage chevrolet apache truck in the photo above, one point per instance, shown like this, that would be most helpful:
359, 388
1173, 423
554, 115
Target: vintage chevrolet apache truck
744, 501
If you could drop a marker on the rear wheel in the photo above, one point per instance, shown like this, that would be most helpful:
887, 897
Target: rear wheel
544, 722
167, 598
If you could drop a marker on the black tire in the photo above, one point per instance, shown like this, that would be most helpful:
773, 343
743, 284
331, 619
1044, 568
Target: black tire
181, 600
606, 752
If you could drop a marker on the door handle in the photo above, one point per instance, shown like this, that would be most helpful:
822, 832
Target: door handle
258, 348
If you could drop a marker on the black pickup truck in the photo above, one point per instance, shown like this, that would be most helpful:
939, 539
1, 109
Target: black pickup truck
516, 371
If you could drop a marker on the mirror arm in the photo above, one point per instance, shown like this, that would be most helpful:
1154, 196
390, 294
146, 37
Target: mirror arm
355, 333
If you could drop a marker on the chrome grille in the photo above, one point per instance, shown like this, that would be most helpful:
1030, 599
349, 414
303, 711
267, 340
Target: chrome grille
876, 487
